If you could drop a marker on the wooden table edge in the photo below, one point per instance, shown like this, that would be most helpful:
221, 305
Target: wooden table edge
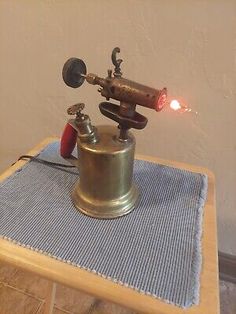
100, 287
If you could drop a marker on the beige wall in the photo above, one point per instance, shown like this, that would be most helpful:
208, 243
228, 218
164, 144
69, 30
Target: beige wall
188, 46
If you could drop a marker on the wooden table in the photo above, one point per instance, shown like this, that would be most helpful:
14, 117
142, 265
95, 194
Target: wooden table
59, 272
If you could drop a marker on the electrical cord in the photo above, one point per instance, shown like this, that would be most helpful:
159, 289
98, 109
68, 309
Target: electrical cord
45, 162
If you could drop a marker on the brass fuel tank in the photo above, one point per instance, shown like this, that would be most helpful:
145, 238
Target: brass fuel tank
105, 187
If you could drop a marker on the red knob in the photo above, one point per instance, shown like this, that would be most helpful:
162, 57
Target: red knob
68, 141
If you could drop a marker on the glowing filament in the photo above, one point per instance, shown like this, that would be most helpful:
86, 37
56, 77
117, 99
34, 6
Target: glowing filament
175, 105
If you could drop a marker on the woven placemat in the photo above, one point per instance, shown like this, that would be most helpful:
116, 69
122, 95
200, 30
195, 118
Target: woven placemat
156, 249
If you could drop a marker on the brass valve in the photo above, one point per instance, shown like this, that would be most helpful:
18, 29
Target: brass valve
76, 109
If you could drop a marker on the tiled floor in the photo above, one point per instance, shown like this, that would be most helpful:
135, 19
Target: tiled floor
227, 297
25, 293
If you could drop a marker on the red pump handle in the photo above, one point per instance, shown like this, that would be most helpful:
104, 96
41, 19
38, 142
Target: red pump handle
68, 141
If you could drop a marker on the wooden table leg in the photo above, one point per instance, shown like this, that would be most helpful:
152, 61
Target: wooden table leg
49, 301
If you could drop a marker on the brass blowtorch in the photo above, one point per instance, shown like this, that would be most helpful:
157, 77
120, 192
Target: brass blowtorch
105, 188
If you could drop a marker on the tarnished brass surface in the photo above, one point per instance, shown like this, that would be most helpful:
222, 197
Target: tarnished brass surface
106, 154
128, 91
105, 188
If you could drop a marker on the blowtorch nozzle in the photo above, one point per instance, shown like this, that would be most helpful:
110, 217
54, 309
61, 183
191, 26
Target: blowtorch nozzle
128, 92
116, 87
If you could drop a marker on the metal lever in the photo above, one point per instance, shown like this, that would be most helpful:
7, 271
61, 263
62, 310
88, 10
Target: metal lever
116, 62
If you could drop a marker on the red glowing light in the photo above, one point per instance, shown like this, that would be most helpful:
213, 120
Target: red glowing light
175, 105
161, 100
181, 108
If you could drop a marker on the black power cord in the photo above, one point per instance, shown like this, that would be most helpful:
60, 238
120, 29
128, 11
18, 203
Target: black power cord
42, 161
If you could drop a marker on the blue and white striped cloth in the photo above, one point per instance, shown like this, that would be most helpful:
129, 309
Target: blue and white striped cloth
156, 249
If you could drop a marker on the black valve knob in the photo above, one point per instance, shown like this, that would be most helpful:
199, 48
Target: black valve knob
74, 72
